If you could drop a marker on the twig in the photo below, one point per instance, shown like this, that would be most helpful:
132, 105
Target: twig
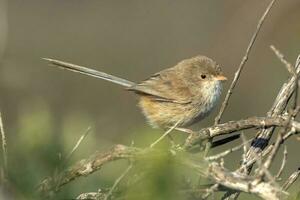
210, 191
4, 147
89, 166
291, 69
88, 196
278, 107
274, 151
264, 167
165, 134
233, 126
293, 177
212, 170
234, 181
296, 83
280, 56
245, 146
225, 153
118, 180
243, 62
78, 143
63, 164
284, 159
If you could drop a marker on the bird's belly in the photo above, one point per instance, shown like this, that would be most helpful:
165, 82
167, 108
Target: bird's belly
163, 114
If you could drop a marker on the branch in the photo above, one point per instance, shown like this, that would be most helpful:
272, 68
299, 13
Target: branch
233, 126
245, 183
4, 149
280, 56
278, 107
243, 62
293, 177
284, 159
213, 171
262, 139
88, 166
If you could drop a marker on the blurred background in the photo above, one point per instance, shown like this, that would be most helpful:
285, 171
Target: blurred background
45, 110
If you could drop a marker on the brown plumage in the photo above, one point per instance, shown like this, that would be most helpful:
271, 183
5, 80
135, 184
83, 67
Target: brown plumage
182, 95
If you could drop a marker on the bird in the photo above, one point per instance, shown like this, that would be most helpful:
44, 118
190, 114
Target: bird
177, 96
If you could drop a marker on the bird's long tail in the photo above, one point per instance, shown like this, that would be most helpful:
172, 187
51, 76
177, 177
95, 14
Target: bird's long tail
90, 72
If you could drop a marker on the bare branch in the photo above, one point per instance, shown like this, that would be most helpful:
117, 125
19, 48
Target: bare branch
243, 62
78, 143
88, 166
284, 159
296, 83
165, 134
118, 180
233, 126
213, 171
280, 56
293, 177
278, 107
4, 147
225, 153
243, 183
274, 151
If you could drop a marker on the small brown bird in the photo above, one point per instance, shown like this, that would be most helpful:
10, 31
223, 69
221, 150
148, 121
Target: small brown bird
181, 95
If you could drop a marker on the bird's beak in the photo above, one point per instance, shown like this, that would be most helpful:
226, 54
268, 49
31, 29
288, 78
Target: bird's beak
221, 78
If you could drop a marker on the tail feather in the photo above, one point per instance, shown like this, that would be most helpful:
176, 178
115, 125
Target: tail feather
90, 72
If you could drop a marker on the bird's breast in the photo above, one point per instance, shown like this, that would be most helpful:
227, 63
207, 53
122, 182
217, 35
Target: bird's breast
210, 94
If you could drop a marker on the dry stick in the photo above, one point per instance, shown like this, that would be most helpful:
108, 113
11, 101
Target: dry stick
291, 70
95, 162
296, 84
58, 181
89, 166
266, 151
293, 177
245, 146
263, 136
165, 134
78, 143
210, 191
265, 166
274, 151
243, 62
212, 170
4, 146
233, 126
287, 64
225, 153
284, 159
118, 180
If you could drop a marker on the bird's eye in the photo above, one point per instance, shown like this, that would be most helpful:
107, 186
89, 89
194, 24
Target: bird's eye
203, 76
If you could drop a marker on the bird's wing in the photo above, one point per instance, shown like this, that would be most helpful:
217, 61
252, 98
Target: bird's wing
165, 86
